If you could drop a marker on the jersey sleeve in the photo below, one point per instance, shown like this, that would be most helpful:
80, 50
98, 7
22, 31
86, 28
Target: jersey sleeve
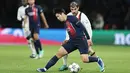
79, 24
18, 15
40, 9
86, 23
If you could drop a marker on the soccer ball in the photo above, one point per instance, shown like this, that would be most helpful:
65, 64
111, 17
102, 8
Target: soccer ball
74, 68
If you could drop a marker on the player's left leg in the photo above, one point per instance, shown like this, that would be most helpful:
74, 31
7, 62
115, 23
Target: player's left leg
27, 35
31, 46
84, 49
64, 66
100, 62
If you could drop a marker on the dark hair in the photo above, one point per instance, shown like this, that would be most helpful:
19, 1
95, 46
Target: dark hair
58, 10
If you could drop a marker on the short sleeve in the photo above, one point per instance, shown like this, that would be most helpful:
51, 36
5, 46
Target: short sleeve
40, 10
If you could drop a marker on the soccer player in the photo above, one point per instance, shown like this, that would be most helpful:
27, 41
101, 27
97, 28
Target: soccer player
20, 17
34, 13
78, 40
74, 7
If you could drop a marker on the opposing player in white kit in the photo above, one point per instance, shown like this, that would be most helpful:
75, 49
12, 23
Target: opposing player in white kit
74, 7
20, 17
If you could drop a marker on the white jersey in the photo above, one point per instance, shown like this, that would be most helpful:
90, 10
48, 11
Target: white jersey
20, 17
85, 21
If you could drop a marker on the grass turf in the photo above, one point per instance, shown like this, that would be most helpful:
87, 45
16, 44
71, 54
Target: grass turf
15, 59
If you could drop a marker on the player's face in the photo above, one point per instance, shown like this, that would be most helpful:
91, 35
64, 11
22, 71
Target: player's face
74, 10
60, 17
31, 1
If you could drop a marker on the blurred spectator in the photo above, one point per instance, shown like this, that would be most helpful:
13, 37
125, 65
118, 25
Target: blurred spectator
97, 20
115, 14
127, 17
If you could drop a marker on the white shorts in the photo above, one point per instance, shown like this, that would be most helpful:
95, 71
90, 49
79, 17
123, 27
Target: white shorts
26, 32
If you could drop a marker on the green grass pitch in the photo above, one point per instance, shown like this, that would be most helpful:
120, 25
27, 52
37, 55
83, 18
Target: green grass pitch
15, 59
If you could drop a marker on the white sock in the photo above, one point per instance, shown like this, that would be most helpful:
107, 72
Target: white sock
45, 69
65, 60
31, 46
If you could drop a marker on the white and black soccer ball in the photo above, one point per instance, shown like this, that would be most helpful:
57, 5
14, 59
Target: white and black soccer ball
74, 68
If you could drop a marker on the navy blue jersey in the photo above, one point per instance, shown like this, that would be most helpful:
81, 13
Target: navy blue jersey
34, 15
75, 28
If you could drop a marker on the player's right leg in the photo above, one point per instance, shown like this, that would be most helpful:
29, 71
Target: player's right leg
37, 43
65, 49
53, 60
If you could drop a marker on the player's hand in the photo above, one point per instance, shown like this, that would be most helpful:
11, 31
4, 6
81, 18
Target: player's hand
46, 27
65, 41
90, 43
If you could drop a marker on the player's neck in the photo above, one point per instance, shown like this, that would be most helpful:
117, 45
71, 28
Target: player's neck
32, 5
65, 17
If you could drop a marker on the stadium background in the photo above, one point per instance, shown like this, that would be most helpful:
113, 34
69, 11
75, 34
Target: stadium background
114, 13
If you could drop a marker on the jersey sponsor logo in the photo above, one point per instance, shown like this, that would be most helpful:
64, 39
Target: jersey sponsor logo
33, 13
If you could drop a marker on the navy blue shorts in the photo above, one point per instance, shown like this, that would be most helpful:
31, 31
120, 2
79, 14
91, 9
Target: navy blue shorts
79, 43
34, 29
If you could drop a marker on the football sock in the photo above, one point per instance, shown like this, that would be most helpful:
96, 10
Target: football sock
36, 47
93, 59
31, 46
39, 44
52, 62
65, 59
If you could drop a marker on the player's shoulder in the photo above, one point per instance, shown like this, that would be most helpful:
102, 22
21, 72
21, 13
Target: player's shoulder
38, 6
20, 7
83, 14
70, 13
71, 18
24, 6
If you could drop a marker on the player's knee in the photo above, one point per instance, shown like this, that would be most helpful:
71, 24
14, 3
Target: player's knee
36, 37
59, 55
61, 52
85, 60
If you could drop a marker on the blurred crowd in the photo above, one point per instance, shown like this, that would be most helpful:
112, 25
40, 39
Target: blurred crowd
103, 14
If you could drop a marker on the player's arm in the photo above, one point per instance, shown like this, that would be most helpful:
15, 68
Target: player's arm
66, 39
43, 17
79, 24
25, 18
44, 20
86, 23
19, 17
25, 21
82, 27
